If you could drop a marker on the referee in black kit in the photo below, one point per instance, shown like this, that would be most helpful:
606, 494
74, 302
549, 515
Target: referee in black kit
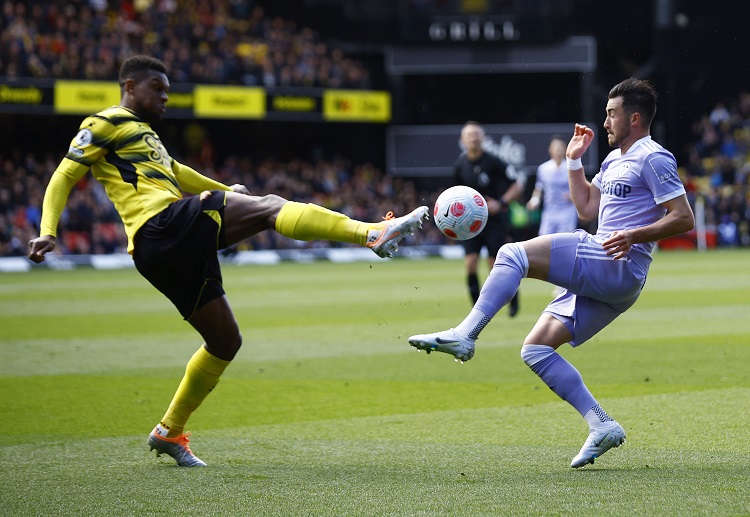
497, 182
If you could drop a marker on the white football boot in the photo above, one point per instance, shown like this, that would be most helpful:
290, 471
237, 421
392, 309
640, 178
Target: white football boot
383, 239
447, 341
177, 447
599, 441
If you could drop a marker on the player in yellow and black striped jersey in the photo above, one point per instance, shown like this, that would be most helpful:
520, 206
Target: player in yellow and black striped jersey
127, 157
174, 239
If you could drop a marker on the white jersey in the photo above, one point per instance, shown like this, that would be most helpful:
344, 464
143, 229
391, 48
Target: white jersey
632, 188
559, 213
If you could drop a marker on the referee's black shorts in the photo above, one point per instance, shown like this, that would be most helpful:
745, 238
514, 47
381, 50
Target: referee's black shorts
494, 235
176, 250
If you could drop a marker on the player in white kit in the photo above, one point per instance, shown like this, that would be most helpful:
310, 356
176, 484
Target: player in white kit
639, 199
558, 211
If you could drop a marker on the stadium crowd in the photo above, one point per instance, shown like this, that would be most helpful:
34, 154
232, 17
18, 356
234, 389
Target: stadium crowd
90, 223
209, 41
718, 170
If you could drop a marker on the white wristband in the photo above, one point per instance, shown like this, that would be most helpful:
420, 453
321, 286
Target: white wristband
574, 165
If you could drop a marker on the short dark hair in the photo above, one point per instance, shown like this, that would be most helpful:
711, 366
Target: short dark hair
557, 136
638, 95
136, 66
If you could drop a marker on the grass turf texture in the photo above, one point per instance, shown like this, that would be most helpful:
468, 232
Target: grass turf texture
328, 411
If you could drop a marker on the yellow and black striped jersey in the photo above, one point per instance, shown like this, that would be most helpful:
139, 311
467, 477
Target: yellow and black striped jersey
125, 154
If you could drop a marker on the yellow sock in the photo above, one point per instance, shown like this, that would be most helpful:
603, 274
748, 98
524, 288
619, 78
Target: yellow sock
201, 376
307, 222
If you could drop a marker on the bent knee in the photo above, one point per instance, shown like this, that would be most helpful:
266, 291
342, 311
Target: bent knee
225, 346
274, 199
236, 341
534, 354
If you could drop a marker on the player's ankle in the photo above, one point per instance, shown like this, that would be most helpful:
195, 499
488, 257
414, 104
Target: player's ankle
168, 432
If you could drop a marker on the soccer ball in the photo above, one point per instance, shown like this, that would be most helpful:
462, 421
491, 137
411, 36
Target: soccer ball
460, 212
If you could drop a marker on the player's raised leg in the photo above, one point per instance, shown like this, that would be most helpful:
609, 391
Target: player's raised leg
247, 215
510, 267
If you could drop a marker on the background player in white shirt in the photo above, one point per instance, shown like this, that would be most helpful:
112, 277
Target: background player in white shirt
558, 211
639, 199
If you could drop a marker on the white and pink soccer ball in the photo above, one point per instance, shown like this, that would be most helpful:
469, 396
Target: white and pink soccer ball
460, 213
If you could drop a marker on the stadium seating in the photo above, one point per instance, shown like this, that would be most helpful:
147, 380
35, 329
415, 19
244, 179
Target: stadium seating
227, 44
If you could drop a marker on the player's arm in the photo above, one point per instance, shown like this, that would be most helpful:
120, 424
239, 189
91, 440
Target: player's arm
536, 198
678, 219
502, 202
192, 181
585, 196
63, 180
514, 192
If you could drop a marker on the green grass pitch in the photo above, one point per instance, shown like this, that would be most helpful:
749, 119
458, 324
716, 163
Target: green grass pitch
328, 411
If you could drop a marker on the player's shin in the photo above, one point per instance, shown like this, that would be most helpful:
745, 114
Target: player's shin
306, 222
202, 374
511, 266
565, 380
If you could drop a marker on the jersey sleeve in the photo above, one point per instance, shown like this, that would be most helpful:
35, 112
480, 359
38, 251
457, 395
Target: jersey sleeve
90, 143
93, 140
660, 174
56, 195
539, 180
597, 180
192, 181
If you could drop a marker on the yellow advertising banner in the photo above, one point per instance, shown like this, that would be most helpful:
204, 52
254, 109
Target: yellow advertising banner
182, 100
10, 94
356, 106
293, 103
209, 101
229, 102
85, 97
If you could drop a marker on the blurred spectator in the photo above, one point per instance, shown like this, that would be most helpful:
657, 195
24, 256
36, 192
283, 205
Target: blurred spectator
209, 41
718, 168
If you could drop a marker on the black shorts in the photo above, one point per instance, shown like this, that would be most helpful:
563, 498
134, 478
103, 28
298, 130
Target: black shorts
176, 250
494, 235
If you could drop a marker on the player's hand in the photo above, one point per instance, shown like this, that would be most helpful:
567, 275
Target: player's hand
40, 246
240, 189
581, 140
533, 203
493, 206
618, 244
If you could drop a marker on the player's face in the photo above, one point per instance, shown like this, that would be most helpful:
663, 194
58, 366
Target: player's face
471, 137
617, 123
557, 150
149, 96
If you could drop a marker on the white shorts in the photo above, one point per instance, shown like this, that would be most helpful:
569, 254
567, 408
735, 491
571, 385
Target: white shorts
560, 222
597, 287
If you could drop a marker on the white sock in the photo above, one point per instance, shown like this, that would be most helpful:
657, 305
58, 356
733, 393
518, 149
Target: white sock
596, 417
473, 324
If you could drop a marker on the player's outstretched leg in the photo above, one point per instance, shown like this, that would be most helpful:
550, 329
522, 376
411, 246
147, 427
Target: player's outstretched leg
307, 221
599, 441
511, 265
448, 341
